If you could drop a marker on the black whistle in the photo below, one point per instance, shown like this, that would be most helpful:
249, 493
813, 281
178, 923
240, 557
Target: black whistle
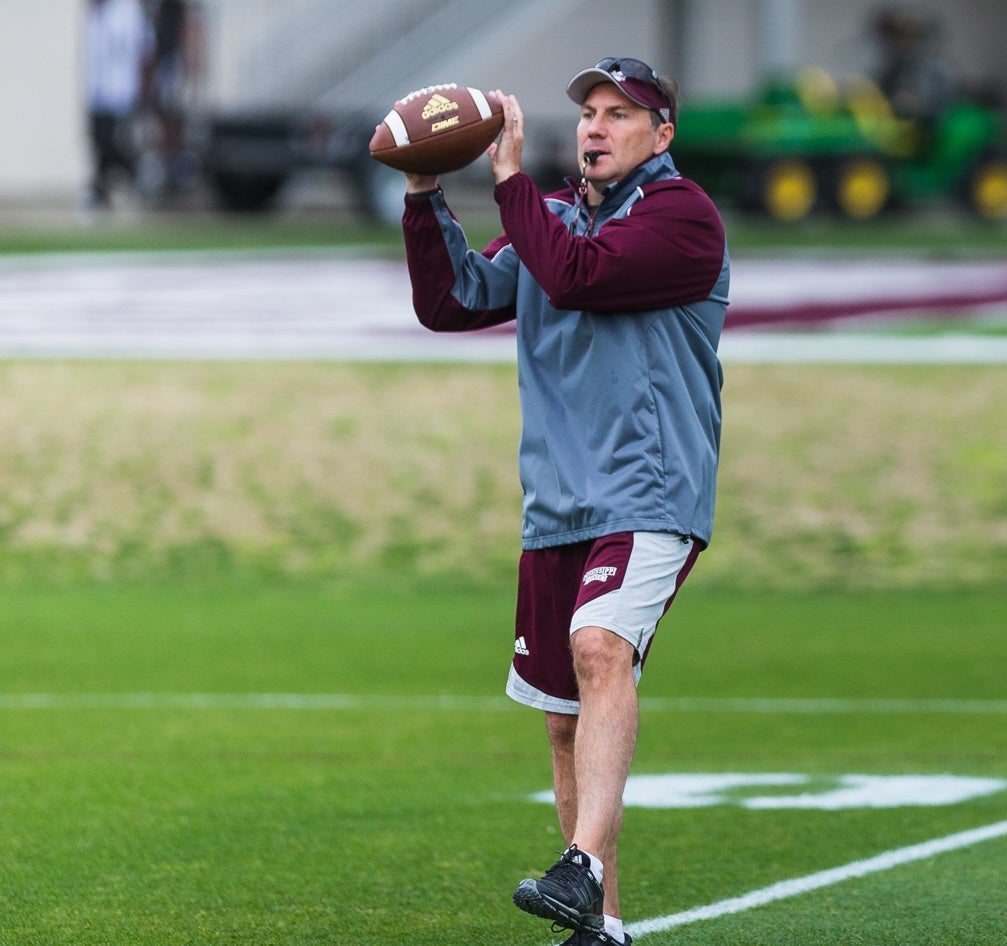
590, 157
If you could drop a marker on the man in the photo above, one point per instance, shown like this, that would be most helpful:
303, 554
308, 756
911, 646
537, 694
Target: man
912, 73
118, 57
173, 60
619, 290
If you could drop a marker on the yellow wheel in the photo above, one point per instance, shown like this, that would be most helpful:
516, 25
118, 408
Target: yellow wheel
788, 190
861, 188
987, 192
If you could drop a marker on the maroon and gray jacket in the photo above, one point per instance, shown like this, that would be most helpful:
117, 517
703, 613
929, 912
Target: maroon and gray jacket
619, 311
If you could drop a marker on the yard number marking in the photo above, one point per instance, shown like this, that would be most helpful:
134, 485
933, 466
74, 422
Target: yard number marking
835, 793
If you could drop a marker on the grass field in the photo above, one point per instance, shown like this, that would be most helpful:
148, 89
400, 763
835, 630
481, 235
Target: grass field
302, 764
255, 621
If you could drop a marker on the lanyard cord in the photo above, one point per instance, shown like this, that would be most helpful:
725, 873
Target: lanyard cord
581, 195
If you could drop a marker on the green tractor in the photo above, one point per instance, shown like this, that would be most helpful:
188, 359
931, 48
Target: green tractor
806, 144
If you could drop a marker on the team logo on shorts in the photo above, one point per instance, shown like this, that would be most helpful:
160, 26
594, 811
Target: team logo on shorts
602, 574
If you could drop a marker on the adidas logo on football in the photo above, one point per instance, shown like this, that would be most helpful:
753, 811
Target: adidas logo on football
602, 574
438, 105
520, 647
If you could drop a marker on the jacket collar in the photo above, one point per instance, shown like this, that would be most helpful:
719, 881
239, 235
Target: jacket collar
658, 168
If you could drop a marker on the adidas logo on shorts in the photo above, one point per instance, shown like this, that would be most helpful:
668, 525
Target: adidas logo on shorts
520, 647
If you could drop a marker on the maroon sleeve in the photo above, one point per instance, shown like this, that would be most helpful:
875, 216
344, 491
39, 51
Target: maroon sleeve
668, 251
432, 273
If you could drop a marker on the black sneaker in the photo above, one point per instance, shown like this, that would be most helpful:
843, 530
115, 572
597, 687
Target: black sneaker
568, 894
595, 938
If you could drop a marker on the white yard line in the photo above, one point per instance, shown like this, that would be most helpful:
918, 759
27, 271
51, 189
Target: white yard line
821, 706
447, 701
246, 701
836, 347
826, 878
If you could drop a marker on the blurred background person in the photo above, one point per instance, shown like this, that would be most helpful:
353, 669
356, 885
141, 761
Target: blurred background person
177, 63
118, 59
912, 71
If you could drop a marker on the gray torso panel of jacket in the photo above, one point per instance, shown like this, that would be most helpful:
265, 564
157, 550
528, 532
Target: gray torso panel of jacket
621, 411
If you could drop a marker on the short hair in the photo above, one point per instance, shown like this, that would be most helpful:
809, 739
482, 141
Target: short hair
670, 88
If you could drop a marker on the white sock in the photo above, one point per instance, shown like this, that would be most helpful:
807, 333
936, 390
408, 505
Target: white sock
613, 926
596, 866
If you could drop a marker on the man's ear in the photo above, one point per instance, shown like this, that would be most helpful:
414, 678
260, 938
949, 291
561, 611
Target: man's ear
665, 136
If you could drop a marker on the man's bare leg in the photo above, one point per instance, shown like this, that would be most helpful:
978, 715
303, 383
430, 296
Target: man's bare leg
591, 754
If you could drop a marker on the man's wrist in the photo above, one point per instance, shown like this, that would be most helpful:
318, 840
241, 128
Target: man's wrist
417, 184
509, 182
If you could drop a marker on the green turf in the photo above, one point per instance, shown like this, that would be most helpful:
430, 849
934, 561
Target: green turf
938, 232
408, 820
195, 232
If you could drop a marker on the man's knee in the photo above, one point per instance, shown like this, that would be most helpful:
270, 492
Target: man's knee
562, 730
599, 654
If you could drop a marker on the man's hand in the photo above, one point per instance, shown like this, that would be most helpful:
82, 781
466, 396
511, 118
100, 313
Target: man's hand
506, 153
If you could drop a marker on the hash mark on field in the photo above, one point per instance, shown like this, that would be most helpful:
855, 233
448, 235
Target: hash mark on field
826, 878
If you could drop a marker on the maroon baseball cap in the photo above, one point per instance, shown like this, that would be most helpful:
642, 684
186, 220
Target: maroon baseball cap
635, 78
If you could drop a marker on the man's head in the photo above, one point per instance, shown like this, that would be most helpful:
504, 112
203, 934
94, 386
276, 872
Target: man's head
628, 115
635, 79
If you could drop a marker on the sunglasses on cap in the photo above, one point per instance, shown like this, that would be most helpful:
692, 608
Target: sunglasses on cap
619, 67
635, 78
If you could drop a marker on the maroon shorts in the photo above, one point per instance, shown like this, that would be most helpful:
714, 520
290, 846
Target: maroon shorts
623, 582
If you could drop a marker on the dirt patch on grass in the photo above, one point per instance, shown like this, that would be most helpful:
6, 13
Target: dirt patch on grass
876, 476
864, 477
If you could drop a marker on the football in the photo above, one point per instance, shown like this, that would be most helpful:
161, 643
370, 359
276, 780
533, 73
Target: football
437, 129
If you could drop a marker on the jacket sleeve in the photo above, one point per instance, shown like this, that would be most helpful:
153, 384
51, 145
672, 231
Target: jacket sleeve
668, 251
455, 289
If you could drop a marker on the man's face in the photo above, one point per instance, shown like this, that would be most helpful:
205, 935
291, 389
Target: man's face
618, 128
